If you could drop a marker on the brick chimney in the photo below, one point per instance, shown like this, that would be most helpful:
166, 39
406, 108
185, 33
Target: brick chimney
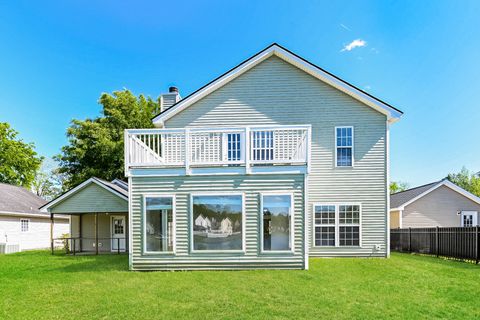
169, 99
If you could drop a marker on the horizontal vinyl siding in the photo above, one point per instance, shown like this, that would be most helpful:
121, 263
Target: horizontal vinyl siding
182, 187
275, 92
91, 198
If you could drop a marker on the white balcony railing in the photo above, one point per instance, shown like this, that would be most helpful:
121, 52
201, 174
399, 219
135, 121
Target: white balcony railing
190, 147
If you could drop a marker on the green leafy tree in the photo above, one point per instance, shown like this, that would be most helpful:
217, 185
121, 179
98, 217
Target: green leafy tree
19, 161
398, 186
96, 145
467, 180
48, 181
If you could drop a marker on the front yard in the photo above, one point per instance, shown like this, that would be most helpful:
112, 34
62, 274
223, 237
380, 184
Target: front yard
35, 285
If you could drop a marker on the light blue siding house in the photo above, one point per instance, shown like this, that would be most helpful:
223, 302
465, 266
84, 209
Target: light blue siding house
271, 163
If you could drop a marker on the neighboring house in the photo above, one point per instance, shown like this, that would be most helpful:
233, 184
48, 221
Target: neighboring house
98, 212
437, 204
22, 225
274, 130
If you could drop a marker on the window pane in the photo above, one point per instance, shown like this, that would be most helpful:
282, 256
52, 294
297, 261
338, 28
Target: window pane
217, 222
349, 236
344, 137
325, 215
344, 157
324, 236
159, 224
349, 214
276, 222
233, 146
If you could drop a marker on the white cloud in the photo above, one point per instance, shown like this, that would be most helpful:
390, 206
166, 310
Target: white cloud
357, 43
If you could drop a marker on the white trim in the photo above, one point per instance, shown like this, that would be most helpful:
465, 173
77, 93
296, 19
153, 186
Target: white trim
445, 183
337, 223
116, 216
130, 226
21, 225
292, 222
352, 147
144, 224
387, 182
78, 188
474, 215
33, 215
190, 214
392, 114
306, 224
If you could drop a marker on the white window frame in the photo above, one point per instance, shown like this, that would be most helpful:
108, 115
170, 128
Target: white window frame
214, 193
292, 222
474, 215
337, 223
21, 225
144, 222
225, 147
352, 147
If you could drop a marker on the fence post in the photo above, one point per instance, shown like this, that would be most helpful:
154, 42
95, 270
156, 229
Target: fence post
477, 245
410, 239
436, 241
118, 245
74, 245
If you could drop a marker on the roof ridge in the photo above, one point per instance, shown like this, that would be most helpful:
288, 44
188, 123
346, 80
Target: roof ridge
424, 185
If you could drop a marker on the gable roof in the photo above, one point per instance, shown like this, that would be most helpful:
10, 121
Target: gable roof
393, 114
117, 187
399, 200
14, 199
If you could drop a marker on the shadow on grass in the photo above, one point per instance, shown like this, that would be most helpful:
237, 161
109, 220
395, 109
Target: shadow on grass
433, 260
93, 263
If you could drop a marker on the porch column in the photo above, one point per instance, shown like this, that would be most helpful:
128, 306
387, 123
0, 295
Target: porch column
80, 232
51, 231
96, 233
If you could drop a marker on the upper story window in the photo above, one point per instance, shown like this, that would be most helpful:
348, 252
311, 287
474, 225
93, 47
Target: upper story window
24, 225
343, 146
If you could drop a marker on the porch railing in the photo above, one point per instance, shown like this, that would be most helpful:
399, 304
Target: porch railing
75, 245
217, 146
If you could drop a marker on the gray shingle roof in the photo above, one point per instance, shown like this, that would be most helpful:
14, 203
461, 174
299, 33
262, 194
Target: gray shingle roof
116, 185
399, 198
18, 199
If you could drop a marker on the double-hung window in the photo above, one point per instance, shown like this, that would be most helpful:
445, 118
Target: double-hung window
24, 225
277, 222
337, 225
344, 146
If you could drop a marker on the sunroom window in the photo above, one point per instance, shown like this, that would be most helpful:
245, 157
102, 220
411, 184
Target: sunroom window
344, 146
277, 220
217, 222
159, 226
337, 225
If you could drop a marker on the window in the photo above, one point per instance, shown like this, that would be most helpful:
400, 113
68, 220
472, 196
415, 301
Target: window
262, 148
277, 222
234, 147
217, 222
24, 225
344, 146
159, 224
337, 225
469, 218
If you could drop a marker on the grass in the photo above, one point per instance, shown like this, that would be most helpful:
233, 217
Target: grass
35, 285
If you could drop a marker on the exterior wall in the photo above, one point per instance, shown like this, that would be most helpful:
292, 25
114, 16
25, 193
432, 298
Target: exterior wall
438, 208
275, 92
183, 187
92, 198
394, 219
38, 235
88, 231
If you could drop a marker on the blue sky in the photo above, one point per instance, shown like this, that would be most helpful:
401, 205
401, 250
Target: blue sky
57, 57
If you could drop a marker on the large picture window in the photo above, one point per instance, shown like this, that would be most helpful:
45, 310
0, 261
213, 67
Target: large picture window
344, 146
159, 224
337, 225
277, 222
217, 222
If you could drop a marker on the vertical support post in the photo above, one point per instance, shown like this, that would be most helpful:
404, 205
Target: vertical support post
477, 245
118, 245
247, 150
96, 233
80, 232
73, 245
436, 241
409, 239
51, 231
187, 151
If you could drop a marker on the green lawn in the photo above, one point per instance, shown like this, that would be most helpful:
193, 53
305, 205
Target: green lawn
35, 285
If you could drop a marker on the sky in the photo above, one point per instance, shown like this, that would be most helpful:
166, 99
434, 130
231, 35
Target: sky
57, 57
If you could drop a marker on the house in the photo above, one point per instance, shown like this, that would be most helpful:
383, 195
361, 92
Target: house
22, 225
437, 204
274, 127
98, 212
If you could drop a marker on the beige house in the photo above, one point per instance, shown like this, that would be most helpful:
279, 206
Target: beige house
441, 203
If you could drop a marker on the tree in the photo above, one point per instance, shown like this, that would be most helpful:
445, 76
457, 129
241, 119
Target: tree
18, 160
48, 181
398, 186
467, 180
96, 145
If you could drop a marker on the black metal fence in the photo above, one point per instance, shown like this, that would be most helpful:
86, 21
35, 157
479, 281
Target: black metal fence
457, 243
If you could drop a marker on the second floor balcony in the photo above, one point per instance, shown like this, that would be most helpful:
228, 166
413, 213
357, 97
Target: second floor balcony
241, 149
